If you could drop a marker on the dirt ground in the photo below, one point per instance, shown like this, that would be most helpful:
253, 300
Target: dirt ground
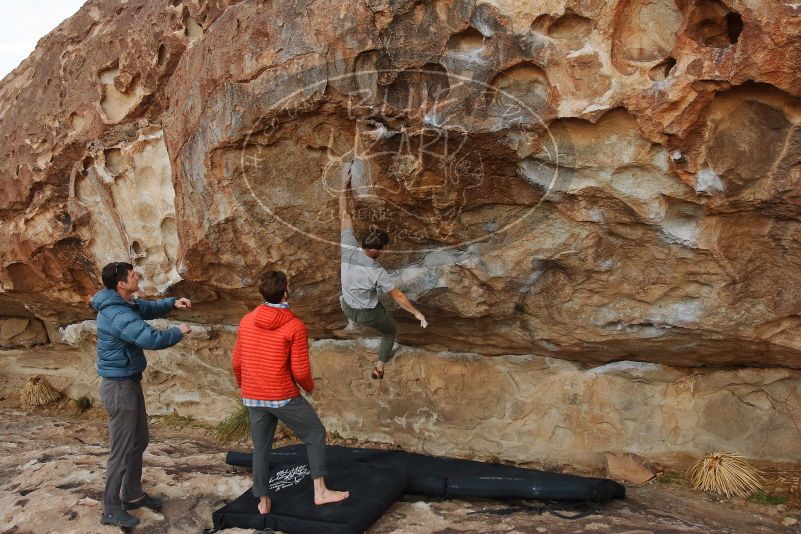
52, 462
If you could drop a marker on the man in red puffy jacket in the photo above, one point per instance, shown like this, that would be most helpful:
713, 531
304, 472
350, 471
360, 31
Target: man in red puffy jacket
271, 358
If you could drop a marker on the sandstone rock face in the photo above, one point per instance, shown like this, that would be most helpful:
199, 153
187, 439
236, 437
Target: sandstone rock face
591, 180
193, 378
586, 180
527, 409
580, 181
21, 332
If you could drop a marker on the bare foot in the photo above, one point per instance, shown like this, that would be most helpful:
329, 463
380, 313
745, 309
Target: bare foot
328, 496
265, 504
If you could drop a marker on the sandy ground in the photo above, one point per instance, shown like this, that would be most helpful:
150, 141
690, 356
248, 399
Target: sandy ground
52, 464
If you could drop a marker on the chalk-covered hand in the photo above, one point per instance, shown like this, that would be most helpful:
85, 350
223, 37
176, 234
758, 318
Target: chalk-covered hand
422, 318
184, 329
183, 304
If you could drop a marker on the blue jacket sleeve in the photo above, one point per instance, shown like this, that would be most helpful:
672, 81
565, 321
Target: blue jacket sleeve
155, 309
134, 330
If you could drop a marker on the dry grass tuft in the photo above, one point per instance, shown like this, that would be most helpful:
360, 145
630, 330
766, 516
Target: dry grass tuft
37, 391
726, 474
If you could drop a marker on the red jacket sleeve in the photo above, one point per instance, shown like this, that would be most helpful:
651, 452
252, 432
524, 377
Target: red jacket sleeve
299, 358
237, 362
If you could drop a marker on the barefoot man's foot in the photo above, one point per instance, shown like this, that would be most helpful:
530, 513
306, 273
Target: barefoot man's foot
264, 505
329, 496
323, 495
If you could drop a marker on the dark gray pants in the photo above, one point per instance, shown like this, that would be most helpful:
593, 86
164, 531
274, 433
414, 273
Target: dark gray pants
299, 416
378, 318
127, 430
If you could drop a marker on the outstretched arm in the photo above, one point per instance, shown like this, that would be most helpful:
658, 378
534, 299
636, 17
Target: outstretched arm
134, 330
404, 302
155, 309
345, 222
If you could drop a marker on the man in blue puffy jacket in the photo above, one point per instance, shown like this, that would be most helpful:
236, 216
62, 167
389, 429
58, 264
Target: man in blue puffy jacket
122, 337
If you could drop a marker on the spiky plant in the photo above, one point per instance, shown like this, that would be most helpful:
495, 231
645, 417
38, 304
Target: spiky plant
84, 403
37, 391
726, 474
235, 427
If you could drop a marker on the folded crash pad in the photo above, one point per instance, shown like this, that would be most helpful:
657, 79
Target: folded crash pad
372, 490
450, 477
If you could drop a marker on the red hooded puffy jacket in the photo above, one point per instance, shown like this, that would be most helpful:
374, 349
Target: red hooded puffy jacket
272, 354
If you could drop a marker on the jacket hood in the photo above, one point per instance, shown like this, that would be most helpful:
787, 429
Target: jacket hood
107, 297
270, 318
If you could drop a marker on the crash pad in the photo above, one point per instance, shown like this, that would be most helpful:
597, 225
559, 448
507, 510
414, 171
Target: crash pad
451, 477
372, 490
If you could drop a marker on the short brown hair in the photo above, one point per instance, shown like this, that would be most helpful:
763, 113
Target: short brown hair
375, 240
272, 286
114, 273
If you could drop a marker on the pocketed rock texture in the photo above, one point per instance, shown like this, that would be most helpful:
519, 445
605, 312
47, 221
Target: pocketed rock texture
581, 181
586, 180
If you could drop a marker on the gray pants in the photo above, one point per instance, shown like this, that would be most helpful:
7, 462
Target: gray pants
127, 430
299, 416
378, 318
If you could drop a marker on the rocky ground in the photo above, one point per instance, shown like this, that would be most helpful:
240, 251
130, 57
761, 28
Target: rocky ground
52, 464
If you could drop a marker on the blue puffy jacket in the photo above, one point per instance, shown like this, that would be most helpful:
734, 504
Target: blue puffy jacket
122, 333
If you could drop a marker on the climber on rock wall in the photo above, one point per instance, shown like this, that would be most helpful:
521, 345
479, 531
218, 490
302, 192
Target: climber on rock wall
363, 276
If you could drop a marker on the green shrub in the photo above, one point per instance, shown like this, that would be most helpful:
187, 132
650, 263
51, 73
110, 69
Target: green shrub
235, 427
670, 477
766, 498
84, 403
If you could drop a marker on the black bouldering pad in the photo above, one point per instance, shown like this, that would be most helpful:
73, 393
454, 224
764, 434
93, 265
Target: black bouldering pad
297, 454
372, 490
450, 477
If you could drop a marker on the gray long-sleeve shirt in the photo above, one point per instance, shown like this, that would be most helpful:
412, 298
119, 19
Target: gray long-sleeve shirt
362, 276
